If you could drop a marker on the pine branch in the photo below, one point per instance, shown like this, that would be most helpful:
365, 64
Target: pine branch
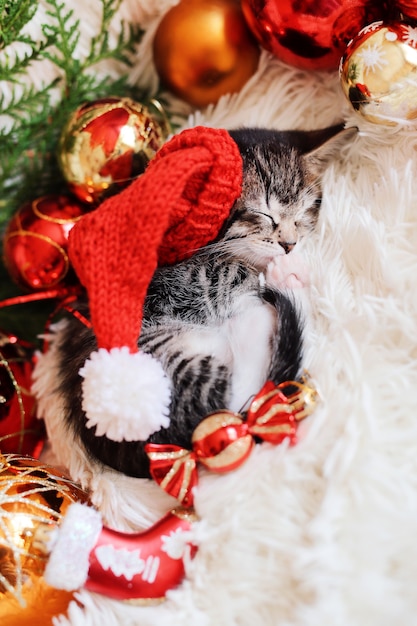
34, 117
30, 102
15, 65
100, 49
65, 33
13, 17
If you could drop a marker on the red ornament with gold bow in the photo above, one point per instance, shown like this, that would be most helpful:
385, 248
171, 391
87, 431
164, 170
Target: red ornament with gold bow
224, 440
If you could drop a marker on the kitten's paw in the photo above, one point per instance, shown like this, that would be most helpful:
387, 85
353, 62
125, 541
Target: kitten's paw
287, 271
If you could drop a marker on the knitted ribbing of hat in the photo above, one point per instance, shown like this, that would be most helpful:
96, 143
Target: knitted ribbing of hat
178, 205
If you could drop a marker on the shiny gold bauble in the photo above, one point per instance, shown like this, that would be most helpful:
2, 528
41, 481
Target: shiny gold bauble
378, 73
203, 49
32, 494
108, 142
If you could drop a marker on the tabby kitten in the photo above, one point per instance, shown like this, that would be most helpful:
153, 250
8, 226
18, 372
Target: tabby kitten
215, 321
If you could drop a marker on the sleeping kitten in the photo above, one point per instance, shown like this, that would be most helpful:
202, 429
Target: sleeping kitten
215, 323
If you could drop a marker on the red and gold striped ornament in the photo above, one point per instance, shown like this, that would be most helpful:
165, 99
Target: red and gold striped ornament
224, 440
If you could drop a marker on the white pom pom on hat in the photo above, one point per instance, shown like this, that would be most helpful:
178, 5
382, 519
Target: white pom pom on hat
177, 206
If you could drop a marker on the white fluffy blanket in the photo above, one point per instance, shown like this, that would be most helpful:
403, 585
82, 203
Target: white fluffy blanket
323, 533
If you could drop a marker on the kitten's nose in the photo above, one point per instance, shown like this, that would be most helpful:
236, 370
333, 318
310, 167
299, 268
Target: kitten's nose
287, 246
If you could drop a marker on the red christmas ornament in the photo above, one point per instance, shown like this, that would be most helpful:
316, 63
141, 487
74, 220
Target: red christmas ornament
309, 34
20, 430
105, 144
156, 559
35, 241
174, 469
126, 566
224, 440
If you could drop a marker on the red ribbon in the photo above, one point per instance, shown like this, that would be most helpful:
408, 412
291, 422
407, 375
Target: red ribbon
66, 295
224, 440
49, 294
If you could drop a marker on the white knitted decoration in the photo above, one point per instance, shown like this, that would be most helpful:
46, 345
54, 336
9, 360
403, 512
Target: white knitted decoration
125, 395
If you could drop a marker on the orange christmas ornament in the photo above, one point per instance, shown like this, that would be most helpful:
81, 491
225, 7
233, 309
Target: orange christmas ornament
32, 494
203, 49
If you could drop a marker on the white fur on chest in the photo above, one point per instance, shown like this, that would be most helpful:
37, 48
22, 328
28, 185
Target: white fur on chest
249, 334
242, 343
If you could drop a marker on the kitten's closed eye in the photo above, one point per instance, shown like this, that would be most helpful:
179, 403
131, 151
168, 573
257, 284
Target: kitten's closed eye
281, 194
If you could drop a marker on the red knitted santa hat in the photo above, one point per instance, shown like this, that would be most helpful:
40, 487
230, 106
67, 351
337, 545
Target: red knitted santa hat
178, 205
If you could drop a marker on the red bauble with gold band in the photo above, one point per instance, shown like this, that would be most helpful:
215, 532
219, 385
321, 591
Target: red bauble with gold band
106, 143
310, 34
36, 238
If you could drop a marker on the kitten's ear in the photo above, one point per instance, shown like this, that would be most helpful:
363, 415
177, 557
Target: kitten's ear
318, 159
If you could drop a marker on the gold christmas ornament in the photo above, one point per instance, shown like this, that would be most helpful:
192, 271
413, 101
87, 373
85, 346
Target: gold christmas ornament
108, 142
32, 494
204, 49
378, 73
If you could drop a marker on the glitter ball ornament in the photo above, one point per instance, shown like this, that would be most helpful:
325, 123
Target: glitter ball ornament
35, 241
378, 72
203, 49
20, 430
311, 34
105, 144
31, 494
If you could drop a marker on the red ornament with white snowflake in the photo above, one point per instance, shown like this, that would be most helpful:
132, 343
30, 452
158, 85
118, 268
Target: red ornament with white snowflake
378, 72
